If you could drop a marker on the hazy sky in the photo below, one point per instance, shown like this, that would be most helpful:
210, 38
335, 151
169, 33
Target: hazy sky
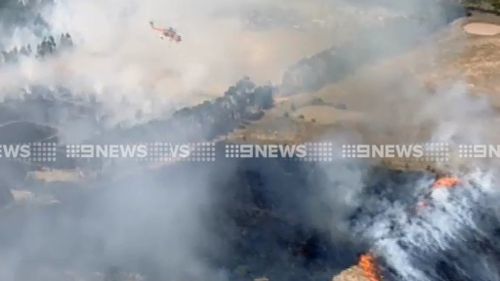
118, 56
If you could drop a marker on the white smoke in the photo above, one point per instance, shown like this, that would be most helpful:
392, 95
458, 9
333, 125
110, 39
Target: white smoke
119, 58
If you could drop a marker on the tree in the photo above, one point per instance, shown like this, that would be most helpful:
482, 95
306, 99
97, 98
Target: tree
264, 97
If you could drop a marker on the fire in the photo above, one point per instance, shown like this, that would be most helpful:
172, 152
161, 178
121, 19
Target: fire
447, 182
369, 266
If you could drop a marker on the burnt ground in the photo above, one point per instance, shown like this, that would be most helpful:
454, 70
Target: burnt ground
260, 216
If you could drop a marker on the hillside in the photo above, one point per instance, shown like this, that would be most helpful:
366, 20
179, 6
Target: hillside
425, 73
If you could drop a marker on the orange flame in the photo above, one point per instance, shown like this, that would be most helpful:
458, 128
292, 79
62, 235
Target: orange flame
369, 266
447, 182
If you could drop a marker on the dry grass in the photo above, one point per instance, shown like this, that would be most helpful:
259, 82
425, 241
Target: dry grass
452, 55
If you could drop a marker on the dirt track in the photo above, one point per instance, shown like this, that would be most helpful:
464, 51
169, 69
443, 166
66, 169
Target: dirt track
482, 28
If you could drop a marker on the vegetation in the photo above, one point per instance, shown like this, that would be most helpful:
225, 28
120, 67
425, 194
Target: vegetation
486, 5
16, 13
46, 47
318, 101
241, 103
244, 101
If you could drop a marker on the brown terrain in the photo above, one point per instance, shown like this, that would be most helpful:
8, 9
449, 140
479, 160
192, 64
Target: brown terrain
458, 53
